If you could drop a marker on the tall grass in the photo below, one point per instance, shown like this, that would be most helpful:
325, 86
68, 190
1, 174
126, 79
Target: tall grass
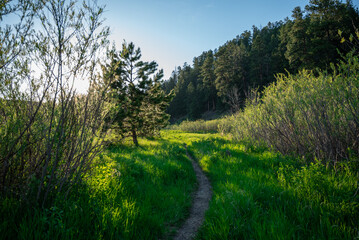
260, 194
133, 193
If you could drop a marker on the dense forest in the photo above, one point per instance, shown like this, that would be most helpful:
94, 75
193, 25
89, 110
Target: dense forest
219, 80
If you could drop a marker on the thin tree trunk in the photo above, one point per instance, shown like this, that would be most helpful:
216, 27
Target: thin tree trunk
134, 137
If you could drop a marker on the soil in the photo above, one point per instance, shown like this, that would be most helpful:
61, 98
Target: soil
199, 206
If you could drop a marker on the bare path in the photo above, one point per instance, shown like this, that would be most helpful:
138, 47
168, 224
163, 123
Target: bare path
199, 206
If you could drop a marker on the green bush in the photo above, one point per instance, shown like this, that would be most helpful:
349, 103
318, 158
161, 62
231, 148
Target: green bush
197, 126
315, 115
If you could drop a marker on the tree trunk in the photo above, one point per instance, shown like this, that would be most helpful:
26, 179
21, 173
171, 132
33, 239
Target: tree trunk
134, 137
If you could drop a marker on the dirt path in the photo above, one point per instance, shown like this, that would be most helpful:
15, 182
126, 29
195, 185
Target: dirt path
199, 206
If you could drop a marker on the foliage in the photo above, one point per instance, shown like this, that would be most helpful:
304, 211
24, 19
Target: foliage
48, 133
132, 193
197, 126
139, 101
314, 115
219, 80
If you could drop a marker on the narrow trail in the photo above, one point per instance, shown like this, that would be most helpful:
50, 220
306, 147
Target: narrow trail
199, 205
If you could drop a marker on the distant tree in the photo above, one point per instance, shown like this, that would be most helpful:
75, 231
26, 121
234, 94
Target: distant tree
170, 84
299, 44
178, 106
266, 56
312, 39
208, 79
139, 101
221, 77
231, 68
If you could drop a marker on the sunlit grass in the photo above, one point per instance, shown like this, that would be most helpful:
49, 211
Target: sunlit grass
132, 193
145, 193
259, 194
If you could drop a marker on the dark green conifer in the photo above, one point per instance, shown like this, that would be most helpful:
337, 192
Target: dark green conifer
139, 101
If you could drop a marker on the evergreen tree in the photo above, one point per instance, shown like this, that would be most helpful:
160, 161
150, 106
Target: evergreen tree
299, 46
171, 83
139, 101
219, 78
231, 69
208, 79
266, 57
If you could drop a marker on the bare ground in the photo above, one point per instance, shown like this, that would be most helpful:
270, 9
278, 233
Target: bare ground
199, 206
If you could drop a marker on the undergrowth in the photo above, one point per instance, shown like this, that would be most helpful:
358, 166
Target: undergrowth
132, 193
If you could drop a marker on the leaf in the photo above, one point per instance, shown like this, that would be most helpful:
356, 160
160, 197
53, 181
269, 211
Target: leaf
340, 32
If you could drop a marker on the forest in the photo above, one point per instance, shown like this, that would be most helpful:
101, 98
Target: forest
256, 139
219, 80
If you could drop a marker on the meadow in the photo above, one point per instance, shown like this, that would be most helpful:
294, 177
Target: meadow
145, 193
132, 193
283, 165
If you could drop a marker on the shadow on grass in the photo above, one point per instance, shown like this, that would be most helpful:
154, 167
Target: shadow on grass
260, 194
132, 193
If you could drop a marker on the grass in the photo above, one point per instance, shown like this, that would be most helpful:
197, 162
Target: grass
145, 193
133, 193
259, 194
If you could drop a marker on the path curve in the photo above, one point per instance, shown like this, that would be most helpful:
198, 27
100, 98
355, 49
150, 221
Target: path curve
199, 205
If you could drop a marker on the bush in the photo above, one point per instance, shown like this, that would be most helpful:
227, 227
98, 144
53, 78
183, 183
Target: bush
315, 115
48, 133
197, 126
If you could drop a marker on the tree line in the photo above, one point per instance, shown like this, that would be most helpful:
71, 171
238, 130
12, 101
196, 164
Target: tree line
219, 80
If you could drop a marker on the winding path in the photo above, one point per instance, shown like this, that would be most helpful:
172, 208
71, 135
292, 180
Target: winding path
199, 206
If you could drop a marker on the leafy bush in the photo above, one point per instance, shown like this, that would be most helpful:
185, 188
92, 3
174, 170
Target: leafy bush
315, 115
197, 126
49, 135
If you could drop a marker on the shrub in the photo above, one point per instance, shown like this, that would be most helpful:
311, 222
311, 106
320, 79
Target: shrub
48, 133
315, 115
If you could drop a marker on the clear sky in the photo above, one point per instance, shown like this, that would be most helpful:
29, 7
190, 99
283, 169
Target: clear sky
172, 32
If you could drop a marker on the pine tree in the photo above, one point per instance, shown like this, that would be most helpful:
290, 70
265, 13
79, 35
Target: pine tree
208, 78
231, 69
139, 101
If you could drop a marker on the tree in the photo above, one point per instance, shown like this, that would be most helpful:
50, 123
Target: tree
298, 45
208, 78
231, 68
140, 102
266, 58
312, 37
170, 84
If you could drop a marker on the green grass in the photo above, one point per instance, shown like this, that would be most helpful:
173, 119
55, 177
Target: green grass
145, 192
133, 193
258, 194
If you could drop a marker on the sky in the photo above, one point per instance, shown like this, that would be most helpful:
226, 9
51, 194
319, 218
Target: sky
172, 32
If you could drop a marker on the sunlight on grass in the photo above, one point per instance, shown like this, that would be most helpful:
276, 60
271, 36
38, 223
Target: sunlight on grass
259, 194
144, 192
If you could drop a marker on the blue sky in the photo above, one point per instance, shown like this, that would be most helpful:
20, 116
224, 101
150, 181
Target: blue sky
172, 32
